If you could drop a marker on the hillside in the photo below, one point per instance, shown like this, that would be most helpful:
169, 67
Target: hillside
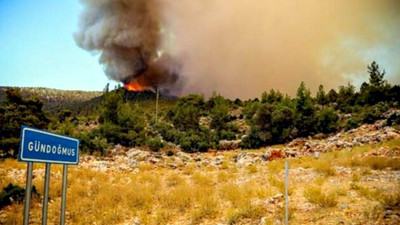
347, 178
55, 100
81, 102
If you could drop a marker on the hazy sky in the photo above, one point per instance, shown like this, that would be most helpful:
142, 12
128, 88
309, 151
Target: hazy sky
234, 47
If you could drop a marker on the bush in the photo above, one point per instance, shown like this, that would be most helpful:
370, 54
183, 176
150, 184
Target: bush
394, 119
315, 195
325, 168
13, 193
373, 113
168, 132
155, 144
190, 143
227, 135
327, 120
91, 142
391, 201
352, 123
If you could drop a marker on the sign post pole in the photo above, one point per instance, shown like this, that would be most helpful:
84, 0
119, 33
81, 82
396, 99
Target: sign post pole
64, 194
46, 194
28, 193
286, 192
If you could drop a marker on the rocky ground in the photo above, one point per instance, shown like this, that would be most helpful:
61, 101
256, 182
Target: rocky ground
351, 177
124, 159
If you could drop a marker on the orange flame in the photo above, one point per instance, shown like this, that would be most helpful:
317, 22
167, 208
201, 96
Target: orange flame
135, 86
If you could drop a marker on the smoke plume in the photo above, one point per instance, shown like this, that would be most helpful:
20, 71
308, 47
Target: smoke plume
126, 34
240, 48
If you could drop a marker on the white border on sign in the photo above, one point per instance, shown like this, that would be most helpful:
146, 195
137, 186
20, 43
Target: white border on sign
51, 134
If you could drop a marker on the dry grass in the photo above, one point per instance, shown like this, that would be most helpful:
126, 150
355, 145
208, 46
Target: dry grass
325, 168
377, 162
247, 211
280, 185
391, 200
315, 195
199, 194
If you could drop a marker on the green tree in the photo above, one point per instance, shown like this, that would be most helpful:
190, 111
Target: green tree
305, 112
332, 96
327, 120
378, 89
186, 112
375, 75
220, 117
14, 112
271, 97
321, 97
346, 98
109, 112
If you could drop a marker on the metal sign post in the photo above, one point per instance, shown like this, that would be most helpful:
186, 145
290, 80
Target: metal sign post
46, 147
64, 194
286, 192
46, 194
28, 193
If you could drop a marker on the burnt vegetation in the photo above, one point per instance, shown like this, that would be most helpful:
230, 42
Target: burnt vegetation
195, 124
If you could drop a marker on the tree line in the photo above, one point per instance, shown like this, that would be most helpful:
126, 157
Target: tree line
197, 124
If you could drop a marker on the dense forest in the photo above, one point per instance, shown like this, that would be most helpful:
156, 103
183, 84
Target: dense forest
196, 124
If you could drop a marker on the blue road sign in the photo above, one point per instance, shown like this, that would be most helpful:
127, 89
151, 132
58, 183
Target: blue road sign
42, 146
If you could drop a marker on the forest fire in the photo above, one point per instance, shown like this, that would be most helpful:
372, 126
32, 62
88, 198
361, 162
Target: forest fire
135, 86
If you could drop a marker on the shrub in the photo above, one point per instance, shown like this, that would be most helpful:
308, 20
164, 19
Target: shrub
394, 119
377, 162
13, 193
227, 135
252, 169
91, 142
208, 208
314, 195
327, 120
155, 144
325, 168
373, 113
352, 123
368, 193
247, 211
280, 185
391, 201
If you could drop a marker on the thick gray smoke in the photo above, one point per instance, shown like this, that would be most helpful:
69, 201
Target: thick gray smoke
241, 48
126, 34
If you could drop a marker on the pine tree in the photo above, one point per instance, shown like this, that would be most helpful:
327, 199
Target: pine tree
321, 97
375, 75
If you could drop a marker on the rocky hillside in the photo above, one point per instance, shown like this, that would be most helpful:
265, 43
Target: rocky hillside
347, 178
55, 100
127, 159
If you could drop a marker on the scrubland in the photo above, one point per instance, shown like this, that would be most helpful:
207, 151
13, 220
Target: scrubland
341, 187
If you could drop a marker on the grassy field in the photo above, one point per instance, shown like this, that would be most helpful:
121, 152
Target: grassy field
338, 188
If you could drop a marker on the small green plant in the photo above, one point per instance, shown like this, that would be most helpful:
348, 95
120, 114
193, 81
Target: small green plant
155, 144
